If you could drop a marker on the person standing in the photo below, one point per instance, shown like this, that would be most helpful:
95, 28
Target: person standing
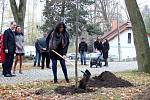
83, 49
105, 51
59, 41
44, 51
99, 47
19, 37
98, 44
37, 58
9, 46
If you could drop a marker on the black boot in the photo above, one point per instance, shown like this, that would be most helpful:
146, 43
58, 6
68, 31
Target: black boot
55, 80
67, 80
106, 62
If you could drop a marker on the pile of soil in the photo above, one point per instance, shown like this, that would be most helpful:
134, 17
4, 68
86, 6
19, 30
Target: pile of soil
108, 80
72, 90
105, 79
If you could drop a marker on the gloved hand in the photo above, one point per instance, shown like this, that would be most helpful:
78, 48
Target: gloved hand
44, 49
64, 56
6, 50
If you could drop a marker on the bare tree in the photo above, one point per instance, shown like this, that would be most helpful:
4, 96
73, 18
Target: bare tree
106, 11
19, 11
140, 36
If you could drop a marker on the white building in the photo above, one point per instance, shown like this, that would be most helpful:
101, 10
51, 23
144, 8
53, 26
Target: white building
127, 47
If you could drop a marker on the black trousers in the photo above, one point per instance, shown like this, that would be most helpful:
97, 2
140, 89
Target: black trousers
7, 65
45, 55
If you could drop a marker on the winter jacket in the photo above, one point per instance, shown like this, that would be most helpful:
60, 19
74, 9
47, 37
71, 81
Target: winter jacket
42, 44
19, 42
98, 45
9, 41
58, 42
83, 46
48, 38
105, 50
37, 46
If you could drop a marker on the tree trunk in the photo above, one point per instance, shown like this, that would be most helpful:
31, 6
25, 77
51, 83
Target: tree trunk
140, 36
19, 12
63, 10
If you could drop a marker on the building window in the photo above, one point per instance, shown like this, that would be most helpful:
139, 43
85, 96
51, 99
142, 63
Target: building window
129, 37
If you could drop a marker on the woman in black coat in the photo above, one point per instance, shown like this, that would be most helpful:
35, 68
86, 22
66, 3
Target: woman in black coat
59, 41
98, 44
105, 51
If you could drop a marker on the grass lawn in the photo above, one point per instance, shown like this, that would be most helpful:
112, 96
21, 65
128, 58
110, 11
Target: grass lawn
46, 90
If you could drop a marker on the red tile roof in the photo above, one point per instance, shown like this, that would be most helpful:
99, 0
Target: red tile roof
113, 33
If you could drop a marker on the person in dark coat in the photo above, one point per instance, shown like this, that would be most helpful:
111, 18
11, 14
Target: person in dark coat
59, 41
19, 37
37, 58
105, 51
83, 49
98, 44
9, 46
44, 51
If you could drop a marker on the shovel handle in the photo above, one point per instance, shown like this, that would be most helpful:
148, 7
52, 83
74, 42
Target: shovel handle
62, 57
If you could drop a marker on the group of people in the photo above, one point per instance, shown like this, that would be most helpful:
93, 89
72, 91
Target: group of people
13, 44
53, 45
103, 47
56, 41
100, 45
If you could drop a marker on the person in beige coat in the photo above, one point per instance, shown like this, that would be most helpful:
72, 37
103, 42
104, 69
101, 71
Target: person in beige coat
19, 38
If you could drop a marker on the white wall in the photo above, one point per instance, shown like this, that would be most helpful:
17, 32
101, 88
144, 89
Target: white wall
127, 49
149, 41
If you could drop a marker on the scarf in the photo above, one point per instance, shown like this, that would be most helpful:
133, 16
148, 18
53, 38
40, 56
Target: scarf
56, 40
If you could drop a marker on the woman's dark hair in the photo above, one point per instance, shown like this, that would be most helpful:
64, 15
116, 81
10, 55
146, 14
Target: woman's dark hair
106, 40
17, 26
58, 26
16, 30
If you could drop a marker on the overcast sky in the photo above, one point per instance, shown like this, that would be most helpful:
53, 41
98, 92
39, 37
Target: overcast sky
141, 4
39, 6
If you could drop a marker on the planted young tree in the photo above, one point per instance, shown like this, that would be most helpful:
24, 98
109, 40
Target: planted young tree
140, 36
19, 11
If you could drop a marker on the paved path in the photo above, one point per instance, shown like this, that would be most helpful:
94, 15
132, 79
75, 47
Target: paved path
46, 74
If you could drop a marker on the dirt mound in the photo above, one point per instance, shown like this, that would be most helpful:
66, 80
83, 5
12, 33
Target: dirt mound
108, 79
105, 79
72, 90
105, 76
